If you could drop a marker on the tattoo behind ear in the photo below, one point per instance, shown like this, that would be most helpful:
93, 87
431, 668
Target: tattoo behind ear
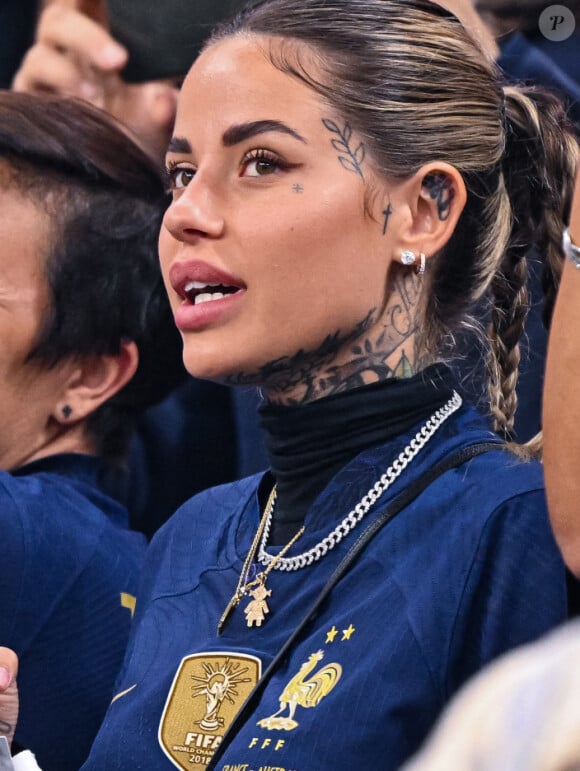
441, 190
350, 159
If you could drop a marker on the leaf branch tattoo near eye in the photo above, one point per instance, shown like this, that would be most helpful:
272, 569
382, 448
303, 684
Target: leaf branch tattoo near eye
441, 190
387, 215
350, 159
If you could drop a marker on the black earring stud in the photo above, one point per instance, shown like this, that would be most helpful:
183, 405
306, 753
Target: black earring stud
67, 411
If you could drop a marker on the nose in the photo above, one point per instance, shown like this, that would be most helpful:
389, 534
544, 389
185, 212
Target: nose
194, 213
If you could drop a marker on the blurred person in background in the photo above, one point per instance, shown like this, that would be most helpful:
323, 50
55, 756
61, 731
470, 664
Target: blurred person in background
87, 343
129, 57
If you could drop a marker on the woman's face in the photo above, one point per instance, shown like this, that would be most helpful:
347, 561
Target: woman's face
28, 393
272, 265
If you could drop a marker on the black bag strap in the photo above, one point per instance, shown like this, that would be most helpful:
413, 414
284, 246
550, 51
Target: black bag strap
390, 512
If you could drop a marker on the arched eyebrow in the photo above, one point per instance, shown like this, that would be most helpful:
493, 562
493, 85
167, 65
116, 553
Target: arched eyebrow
242, 131
239, 133
178, 145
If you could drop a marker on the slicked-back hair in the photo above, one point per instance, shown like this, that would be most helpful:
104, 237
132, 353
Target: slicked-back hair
105, 198
415, 86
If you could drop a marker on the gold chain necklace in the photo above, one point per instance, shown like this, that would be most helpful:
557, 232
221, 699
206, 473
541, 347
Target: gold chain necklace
256, 587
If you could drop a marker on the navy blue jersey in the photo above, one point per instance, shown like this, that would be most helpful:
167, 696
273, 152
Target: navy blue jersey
67, 585
467, 571
522, 60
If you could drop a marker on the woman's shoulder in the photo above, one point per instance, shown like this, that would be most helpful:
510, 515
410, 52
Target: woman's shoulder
485, 487
58, 489
499, 471
504, 473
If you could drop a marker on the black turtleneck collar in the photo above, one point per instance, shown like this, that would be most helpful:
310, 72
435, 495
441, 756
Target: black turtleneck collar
309, 444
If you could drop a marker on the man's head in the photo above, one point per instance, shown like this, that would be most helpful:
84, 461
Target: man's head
102, 200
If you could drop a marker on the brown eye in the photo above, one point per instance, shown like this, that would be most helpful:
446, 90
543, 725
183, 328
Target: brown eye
180, 177
264, 167
260, 164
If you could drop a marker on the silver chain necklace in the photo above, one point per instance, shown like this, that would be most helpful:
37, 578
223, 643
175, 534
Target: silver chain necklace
365, 504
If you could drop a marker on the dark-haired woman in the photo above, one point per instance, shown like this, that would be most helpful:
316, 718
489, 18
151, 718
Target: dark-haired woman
348, 179
87, 341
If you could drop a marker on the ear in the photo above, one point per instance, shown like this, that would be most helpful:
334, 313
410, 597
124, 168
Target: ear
95, 380
436, 197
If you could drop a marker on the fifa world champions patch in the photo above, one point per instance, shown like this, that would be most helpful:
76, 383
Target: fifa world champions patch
207, 693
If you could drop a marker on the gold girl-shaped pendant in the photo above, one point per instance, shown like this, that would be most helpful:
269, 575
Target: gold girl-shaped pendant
256, 587
255, 611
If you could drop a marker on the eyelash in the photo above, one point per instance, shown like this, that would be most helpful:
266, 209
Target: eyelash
261, 154
174, 168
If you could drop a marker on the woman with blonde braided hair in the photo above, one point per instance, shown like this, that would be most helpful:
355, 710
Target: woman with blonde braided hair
349, 180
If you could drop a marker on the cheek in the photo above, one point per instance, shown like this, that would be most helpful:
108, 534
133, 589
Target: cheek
331, 262
317, 232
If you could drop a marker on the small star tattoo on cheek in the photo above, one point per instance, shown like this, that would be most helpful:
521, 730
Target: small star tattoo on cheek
297, 188
387, 214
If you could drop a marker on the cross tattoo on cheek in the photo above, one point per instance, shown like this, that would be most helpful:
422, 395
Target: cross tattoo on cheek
387, 214
297, 188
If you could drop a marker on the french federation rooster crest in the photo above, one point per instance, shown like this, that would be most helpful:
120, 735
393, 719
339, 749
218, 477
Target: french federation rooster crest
303, 691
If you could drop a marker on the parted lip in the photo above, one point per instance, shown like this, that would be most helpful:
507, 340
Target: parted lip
182, 273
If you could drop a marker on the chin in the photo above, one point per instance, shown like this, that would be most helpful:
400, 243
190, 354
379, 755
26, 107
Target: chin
218, 368
234, 360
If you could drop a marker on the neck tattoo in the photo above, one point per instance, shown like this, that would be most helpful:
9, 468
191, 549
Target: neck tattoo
257, 608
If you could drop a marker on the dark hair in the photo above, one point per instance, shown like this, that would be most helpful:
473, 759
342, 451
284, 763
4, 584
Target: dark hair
105, 198
416, 87
163, 38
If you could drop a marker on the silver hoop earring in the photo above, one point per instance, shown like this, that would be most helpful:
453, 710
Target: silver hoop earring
421, 267
408, 257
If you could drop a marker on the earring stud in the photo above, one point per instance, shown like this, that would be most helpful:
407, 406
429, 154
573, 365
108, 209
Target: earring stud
408, 257
67, 411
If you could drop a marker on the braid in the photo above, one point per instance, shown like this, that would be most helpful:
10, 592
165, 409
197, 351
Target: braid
509, 310
539, 168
